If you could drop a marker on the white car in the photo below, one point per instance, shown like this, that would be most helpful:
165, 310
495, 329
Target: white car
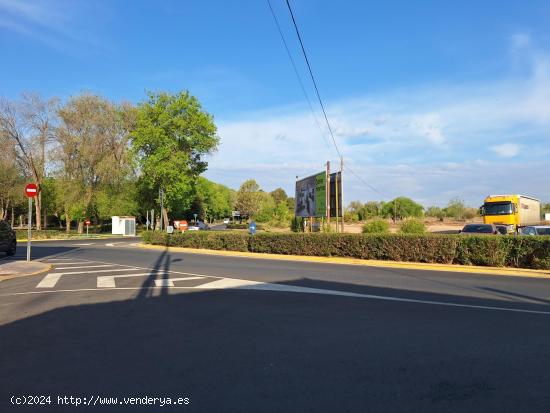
226, 220
536, 230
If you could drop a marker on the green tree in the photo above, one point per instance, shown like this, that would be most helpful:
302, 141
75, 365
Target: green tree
402, 207
279, 195
266, 212
291, 204
455, 208
213, 201
249, 199
92, 149
171, 138
435, 212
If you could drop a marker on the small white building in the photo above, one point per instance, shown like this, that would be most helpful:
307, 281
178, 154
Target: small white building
547, 216
124, 226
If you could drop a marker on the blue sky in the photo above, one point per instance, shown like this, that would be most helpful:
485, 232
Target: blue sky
428, 99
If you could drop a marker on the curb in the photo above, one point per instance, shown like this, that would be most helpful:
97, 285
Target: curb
11, 276
66, 239
506, 271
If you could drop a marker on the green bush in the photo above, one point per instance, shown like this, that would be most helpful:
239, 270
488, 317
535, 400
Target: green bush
412, 226
376, 226
523, 252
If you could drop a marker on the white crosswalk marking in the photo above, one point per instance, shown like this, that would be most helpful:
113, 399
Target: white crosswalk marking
49, 280
108, 281
169, 282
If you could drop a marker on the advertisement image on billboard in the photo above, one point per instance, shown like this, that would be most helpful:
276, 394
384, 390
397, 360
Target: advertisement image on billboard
311, 199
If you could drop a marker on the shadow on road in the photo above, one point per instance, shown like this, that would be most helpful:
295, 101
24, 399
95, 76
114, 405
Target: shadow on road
247, 351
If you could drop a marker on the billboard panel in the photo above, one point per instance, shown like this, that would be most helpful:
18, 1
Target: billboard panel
311, 195
335, 190
308, 193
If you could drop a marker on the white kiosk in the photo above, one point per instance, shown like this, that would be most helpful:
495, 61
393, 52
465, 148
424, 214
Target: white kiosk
124, 226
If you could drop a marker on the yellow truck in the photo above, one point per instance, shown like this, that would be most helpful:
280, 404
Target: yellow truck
514, 211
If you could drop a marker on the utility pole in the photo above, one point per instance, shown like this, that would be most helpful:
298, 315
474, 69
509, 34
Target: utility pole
327, 200
336, 200
342, 190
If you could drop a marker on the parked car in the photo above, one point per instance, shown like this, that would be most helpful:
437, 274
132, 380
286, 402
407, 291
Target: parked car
226, 220
536, 230
199, 225
503, 229
486, 229
8, 241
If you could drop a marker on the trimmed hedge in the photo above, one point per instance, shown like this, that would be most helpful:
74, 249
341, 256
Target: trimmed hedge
497, 251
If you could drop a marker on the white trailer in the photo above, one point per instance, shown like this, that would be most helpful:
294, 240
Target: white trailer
124, 226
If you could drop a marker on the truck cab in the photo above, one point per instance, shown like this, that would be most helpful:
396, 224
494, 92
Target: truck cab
514, 211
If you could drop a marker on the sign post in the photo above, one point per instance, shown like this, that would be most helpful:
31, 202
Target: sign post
31, 190
87, 223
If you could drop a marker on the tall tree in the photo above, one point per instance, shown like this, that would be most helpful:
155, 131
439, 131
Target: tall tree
279, 195
249, 198
29, 124
93, 150
172, 136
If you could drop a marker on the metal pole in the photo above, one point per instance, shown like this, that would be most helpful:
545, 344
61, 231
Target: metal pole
336, 198
342, 191
29, 233
161, 207
147, 220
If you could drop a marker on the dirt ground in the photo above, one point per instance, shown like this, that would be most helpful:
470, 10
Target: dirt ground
433, 225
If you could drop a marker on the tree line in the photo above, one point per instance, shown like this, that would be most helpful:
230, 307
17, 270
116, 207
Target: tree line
93, 158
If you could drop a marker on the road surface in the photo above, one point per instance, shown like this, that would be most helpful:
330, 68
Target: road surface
112, 320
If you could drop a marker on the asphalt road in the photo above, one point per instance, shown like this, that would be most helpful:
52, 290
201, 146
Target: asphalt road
249, 335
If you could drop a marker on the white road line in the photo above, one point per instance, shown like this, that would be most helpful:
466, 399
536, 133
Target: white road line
49, 280
230, 283
109, 245
342, 293
108, 281
98, 271
83, 245
169, 282
86, 266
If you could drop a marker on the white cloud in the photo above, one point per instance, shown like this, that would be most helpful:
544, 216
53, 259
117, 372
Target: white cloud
60, 24
506, 150
430, 142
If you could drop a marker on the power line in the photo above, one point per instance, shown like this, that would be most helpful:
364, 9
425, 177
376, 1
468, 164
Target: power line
313, 78
321, 101
296, 72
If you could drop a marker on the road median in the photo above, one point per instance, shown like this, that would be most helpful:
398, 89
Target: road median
15, 269
512, 272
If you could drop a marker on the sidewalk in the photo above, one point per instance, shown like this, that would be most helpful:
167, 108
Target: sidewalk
13, 269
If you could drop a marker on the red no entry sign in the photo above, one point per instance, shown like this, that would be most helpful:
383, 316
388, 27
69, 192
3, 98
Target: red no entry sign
31, 190
87, 222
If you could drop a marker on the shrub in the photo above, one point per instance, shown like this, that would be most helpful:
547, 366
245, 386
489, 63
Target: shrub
412, 226
523, 252
376, 226
296, 225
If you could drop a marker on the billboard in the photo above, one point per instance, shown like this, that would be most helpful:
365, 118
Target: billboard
334, 178
311, 200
